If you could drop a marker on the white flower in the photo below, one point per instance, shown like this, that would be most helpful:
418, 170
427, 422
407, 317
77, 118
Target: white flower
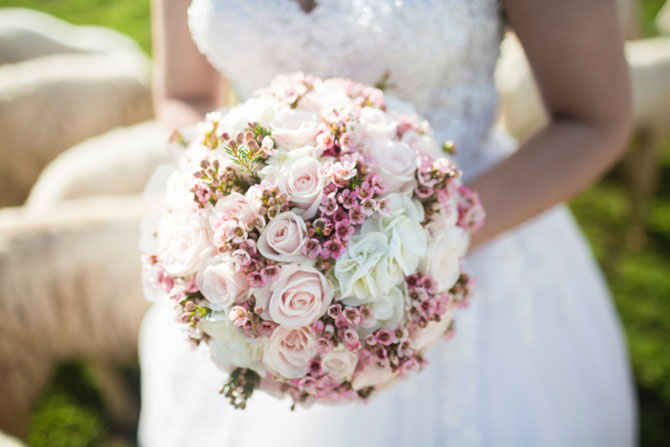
288, 351
228, 345
406, 236
294, 128
339, 363
260, 110
388, 310
395, 162
377, 124
178, 194
298, 297
424, 143
365, 269
445, 252
184, 243
326, 96
221, 284
283, 238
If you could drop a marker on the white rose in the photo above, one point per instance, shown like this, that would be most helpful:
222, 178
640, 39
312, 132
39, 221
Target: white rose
377, 124
260, 110
445, 252
339, 363
365, 269
283, 238
294, 128
303, 182
407, 237
228, 345
288, 351
178, 194
298, 297
395, 162
424, 143
326, 96
221, 284
184, 244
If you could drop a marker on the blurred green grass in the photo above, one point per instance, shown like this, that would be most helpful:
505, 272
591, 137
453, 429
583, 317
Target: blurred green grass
131, 17
71, 413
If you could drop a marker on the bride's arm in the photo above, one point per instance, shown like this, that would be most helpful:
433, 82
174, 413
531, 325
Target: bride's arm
185, 85
575, 50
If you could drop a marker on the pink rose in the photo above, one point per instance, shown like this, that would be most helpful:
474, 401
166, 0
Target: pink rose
298, 297
288, 351
283, 238
294, 128
303, 182
339, 363
221, 284
234, 206
373, 375
396, 162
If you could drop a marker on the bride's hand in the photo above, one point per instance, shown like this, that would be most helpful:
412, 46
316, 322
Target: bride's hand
576, 53
186, 86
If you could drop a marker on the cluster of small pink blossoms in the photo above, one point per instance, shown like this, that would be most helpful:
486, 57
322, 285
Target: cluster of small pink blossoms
436, 187
338, 327
426, 304
352, 195
470, 210
247, 316
238, 238
392, 349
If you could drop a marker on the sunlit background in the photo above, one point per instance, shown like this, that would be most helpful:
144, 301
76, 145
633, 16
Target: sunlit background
626, 217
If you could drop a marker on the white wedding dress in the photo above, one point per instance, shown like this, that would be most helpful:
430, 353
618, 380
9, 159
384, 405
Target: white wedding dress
538, 359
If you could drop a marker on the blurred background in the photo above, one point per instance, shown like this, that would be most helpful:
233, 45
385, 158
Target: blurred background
78, 144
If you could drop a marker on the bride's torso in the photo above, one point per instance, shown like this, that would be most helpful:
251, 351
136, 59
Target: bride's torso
438, 55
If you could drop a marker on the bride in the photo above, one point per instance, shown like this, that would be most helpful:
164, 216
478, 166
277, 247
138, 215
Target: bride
538, 358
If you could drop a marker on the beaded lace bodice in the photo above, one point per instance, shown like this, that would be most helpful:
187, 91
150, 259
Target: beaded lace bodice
439, 55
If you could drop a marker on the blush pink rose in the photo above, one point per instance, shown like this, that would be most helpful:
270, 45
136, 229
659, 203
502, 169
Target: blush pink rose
184, 244
283, 238
303, 182
236, 206
294, 128
221, 284
289, 350
298, 297
396, 162
339, 363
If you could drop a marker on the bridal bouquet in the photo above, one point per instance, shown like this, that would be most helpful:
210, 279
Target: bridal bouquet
312, 237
